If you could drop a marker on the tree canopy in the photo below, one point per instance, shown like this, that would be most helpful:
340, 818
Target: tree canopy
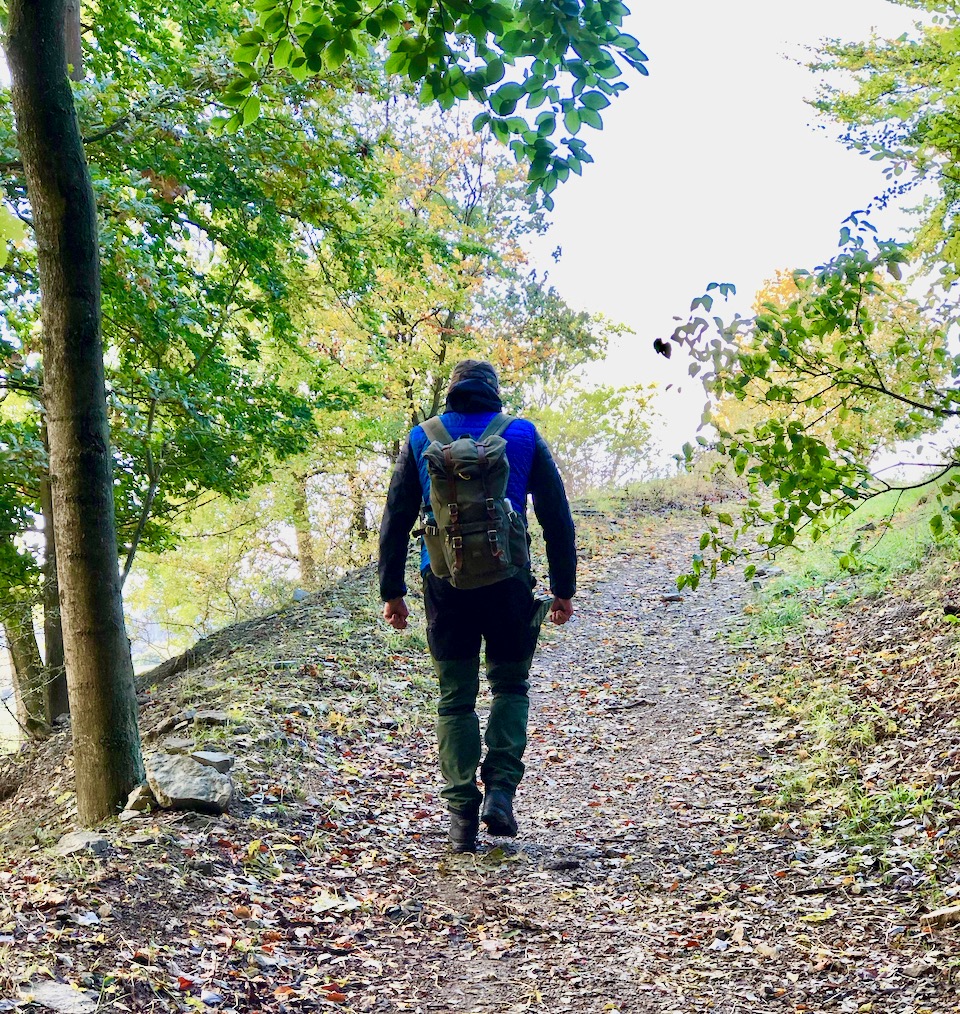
563, 59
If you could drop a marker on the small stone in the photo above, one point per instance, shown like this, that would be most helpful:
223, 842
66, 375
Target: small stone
211, 718
917, 968
300, 595
141, 798
673, 597
562, 864
60, 997
211, 997
127, 815
82, 841
221, 762
179, 744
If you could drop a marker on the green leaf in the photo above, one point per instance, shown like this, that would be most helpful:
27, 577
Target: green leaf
494, 72
283, 54
250, 109
335, 54
396, 63
594, 100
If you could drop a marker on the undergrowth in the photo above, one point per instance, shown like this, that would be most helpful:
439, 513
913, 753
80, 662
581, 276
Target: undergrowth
858, 669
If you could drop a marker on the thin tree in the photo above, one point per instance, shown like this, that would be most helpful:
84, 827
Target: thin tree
99, 668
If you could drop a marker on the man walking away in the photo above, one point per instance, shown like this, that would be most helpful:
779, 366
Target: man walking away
469, 471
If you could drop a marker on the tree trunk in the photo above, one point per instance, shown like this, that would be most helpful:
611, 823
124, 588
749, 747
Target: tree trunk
103, 701
359, 524
55, 674
27, 668
301, 525
72, 39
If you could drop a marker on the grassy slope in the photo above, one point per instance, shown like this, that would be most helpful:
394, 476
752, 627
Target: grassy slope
861, 673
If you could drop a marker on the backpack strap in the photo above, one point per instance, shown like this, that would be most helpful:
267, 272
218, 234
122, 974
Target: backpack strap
435, 430
496, 426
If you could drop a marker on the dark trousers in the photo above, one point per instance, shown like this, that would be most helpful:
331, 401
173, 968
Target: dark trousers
498, 617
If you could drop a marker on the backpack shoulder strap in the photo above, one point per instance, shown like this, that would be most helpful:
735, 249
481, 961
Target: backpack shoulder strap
496, 426
435, 430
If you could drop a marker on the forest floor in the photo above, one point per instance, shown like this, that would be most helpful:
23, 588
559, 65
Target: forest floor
696, 834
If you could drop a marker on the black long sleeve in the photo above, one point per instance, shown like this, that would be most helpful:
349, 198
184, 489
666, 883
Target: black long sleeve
553, 512
403, 505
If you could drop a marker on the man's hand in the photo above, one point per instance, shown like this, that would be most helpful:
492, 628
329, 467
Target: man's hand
395, 612
560, 611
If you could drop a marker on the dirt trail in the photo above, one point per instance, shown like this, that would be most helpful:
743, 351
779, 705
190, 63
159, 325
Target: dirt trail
644, 878
641, 759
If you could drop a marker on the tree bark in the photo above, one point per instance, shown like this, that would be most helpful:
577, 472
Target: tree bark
301, 524
55, 673
27, 668
72, 39
359, 525
103, 702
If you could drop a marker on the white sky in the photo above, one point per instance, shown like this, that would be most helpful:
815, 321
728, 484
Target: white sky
713, 168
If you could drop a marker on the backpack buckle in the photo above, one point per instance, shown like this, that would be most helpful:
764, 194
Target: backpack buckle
456, 541
454, 509
492, 536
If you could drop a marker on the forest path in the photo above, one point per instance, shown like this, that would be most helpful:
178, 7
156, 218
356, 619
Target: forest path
642, 879
654, 871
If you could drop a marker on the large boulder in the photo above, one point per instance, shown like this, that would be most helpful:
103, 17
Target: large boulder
180, 783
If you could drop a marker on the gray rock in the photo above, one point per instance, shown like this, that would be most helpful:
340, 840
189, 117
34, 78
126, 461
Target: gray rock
181, 783
178, 744
211, 718
141, 799
169, 724
60, 997
82, 841
222, 762
300, 594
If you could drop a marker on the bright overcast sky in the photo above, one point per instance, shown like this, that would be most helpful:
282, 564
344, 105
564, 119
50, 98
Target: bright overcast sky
710, 169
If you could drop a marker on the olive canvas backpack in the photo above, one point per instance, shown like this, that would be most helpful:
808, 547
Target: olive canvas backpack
473, 533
